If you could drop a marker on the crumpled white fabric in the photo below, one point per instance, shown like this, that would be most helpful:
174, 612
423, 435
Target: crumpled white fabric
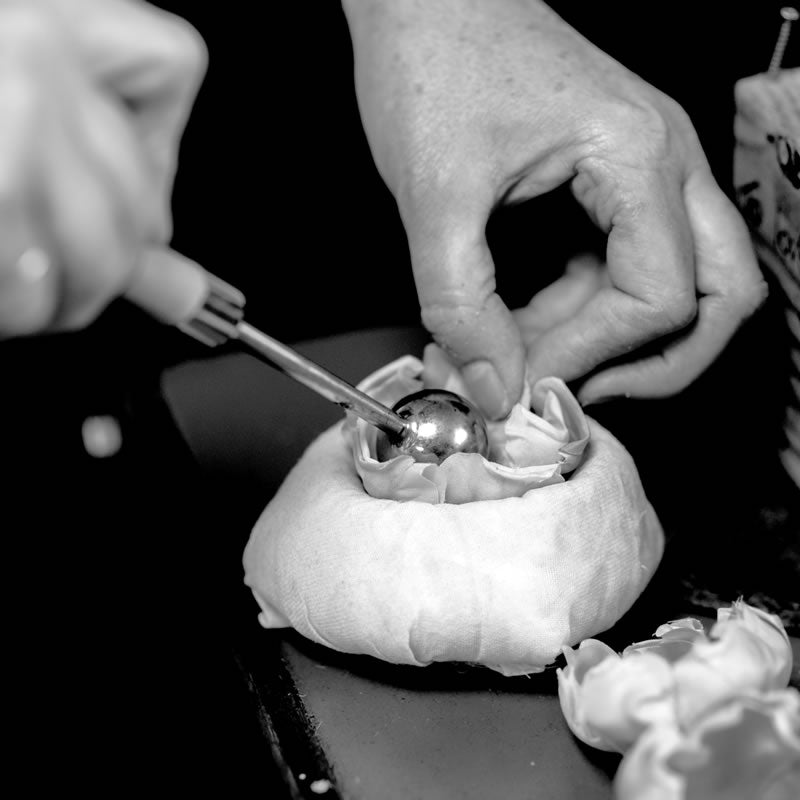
610, 699
529, 448
502, 582
746, 747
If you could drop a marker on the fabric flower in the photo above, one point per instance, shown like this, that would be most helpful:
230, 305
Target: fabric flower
608, 699
747, 649
528, 449
746, 747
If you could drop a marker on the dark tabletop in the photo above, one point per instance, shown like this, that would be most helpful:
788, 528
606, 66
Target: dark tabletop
356, 727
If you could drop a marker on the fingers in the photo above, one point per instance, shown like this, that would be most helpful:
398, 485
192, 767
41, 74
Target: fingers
29, 284
93, 96
584, 276
730, 286
28, 291
727, 268
75, 202
454, 274
153, 60
150, 64
91, 232
651, 290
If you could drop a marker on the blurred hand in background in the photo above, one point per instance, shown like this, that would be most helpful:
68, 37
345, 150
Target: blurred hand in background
94, 96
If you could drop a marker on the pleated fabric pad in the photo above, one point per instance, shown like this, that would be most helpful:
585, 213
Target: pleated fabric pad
503, 583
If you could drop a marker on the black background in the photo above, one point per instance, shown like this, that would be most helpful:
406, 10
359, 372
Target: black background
119, 568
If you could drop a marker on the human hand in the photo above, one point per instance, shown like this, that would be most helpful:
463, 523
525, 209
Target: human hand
94, 96
468, 105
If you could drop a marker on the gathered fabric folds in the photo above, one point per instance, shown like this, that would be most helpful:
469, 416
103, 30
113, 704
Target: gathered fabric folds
499, 562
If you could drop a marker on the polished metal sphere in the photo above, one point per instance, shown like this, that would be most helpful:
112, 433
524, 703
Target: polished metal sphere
440, 423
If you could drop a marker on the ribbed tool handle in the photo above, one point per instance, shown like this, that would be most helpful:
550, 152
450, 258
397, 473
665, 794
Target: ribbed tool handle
217, 320
221, 318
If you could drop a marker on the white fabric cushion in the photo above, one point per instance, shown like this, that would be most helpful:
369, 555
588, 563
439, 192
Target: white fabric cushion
504, 582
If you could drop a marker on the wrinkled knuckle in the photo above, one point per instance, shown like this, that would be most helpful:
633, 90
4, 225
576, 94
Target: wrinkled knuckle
647, 132
653, 125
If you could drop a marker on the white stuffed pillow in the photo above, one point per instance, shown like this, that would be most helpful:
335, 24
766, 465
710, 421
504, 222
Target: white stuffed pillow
503, 582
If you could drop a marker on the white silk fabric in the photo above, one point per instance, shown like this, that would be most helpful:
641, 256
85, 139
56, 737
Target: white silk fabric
498, 563
527, 449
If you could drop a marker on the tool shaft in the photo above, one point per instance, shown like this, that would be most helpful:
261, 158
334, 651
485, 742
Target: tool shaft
320, 380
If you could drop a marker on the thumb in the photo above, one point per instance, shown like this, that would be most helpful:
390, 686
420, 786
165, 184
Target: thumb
455, 279
168, 285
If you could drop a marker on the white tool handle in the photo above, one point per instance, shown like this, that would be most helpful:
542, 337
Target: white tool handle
168, 285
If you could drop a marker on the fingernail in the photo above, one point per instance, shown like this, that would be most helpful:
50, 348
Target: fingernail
487, 390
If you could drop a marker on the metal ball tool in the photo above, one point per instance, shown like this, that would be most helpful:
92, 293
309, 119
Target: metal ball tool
429, 425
